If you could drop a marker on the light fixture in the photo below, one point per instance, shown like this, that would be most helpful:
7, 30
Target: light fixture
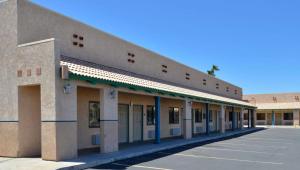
112, 93
67, 88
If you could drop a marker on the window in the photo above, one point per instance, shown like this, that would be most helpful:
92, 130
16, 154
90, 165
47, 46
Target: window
94, 114
261, 116
198, 116
288, 116
173, 115
230, 116
210, 115
150, 115
245, 116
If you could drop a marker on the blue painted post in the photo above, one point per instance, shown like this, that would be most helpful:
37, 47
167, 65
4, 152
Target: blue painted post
233, 119
207, 118
273, 118
157, 120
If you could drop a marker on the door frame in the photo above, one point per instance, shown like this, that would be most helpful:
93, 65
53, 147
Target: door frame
142, 122
127, 141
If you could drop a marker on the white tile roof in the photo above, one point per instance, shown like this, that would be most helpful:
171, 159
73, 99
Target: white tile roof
92, 70
278, 106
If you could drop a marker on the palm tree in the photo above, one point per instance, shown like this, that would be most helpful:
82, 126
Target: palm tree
212, 70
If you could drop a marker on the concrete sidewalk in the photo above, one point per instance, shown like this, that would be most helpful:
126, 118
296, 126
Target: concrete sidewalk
92, 160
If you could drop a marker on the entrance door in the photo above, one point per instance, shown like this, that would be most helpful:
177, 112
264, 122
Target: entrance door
278, 119
123, 122
269, 118
137, 123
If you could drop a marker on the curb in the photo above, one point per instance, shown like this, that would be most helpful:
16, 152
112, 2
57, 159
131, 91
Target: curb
136, 154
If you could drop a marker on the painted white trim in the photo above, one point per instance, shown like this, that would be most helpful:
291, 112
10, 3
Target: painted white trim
36, 42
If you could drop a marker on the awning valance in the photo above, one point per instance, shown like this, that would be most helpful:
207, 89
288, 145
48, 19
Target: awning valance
96, 73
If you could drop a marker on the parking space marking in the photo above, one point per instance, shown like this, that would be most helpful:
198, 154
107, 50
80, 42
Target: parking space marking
262, 141
259, 146
140, 166
238, 150
266, 139
223, 158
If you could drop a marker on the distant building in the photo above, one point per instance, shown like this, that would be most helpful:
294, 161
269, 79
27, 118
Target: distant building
276, 109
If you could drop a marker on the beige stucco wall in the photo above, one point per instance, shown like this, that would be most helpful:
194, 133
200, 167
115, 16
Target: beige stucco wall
29, 121
9, 139
8, 115
272, 98
84, 96
279, 120
36, 23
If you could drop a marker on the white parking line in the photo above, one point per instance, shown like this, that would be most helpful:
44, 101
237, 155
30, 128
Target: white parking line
261, 141
259, 146
265, 139
238, 150
222, 158
140, 166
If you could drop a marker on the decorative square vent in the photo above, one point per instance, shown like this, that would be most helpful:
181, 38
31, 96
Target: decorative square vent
131, 57
204, 82
187, 76
78, 40
164, 68
19, 73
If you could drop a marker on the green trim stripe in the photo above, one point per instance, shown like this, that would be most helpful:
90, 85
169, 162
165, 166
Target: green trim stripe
95, 81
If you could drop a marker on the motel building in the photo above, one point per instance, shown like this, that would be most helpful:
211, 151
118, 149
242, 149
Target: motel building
276, 109
67, 88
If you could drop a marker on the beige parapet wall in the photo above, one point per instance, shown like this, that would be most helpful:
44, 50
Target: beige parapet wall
279, 104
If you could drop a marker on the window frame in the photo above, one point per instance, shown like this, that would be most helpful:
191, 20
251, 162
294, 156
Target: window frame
291, 115
230, 116
210, 115
198, 115
257, 117
150, 117
173, 119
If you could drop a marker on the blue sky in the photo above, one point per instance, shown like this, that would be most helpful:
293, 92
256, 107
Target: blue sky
256, 43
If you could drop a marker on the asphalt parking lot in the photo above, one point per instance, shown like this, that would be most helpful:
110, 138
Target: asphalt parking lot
263, 150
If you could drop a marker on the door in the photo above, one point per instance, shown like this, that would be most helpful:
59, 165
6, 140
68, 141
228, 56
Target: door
269, 118
123, 122
137, 122
278, 119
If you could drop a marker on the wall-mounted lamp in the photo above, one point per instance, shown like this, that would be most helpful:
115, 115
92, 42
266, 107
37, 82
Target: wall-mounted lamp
112, 93
67, 88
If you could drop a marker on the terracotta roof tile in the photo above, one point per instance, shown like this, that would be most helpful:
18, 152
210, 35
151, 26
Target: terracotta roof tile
98, 71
